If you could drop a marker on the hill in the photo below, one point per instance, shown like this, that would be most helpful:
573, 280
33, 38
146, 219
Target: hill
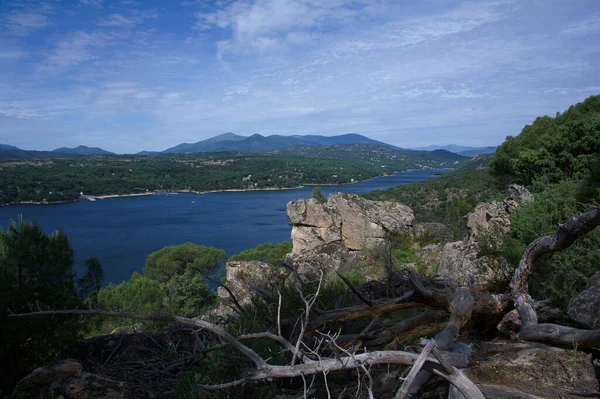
257, 142
448, 147
478, 151
83, 150
6, 147
466, 151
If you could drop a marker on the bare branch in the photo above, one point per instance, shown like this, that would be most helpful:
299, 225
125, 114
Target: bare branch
224, 335
415, 369
307, 306
457, 378
233, 298
366, 301
566, 235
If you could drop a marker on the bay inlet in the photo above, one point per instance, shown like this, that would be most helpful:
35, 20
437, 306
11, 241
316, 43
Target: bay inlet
122, 232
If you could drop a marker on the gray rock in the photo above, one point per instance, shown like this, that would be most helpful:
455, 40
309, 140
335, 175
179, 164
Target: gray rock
327, 258
585, 307
594, 280
519, 194
463, 262
325, 236
244, 279
356, 222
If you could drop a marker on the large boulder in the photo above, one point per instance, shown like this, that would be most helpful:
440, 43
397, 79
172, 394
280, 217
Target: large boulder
585, 307
466, 261
327, 235
463, 262
327, 257
493, 218
354, 221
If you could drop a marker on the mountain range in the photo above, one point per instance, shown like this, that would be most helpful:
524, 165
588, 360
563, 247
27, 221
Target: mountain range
83, 150
459, 149
257, 142
235, 142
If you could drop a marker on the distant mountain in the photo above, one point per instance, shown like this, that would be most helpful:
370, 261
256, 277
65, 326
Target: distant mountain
459, 149
257, 142
6, 155
83, 150
448, 147
6, 147
478, 151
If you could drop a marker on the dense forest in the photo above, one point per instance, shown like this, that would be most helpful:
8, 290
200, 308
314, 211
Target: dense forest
58, 179
557, 158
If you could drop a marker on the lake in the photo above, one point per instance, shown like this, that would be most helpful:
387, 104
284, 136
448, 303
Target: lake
122, 232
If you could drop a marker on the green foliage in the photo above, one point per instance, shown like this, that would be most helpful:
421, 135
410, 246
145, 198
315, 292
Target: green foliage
171, 283
188, 295
165, 263
318, 195
561, 275
272, 254
140, 294
36, 272
561, 147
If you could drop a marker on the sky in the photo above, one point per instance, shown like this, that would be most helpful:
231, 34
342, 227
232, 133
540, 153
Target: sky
130, 75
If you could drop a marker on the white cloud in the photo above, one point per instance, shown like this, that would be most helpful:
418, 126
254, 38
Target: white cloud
268, 24
75, 49
120, 20
26, 20
92, 3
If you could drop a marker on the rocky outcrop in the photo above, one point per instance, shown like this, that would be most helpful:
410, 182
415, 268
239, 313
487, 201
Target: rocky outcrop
494, 217
326, 235
465, 261
244, 279
585, 307
353, 221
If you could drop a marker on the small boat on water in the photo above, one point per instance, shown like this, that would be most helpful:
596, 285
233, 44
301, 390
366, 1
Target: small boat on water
91, 199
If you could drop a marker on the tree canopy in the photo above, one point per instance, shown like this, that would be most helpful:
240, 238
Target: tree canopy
165, 263
36, 272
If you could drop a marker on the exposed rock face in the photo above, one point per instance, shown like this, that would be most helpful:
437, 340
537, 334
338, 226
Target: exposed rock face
464, 260
325, 236
356, 222
493, 218
585, 307
244, 278
325, 257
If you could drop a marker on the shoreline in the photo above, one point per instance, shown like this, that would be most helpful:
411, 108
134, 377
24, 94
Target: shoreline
228, 190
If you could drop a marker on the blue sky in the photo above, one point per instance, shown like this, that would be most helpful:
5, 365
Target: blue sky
129, 75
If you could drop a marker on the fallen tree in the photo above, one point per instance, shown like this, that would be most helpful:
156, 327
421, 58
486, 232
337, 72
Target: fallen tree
324, 353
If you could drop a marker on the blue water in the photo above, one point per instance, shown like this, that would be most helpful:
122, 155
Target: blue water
122, 232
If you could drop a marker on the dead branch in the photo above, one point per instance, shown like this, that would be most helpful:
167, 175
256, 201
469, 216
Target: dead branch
361, 311
224, 335
364, 300
456, 378
308, 304
414, 371
566, 235
233, 298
